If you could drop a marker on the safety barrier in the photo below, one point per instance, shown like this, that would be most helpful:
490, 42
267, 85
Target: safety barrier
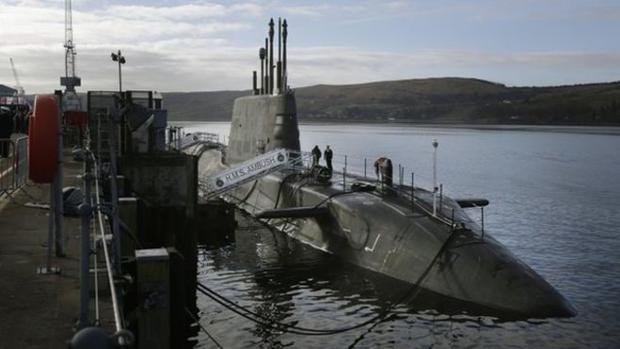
13, 164
179, 140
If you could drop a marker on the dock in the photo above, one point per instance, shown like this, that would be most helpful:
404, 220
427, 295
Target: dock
38, 311
99, 245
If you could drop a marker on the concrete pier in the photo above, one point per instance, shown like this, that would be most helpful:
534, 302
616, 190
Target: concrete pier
39, 311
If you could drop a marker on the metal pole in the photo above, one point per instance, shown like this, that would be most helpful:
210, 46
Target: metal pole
271, 80
261, 55
452, 218
440, 197
435, 144
344, 174
85, 244
365, 169
482, 220
99, 140
120, 76
266, 66
50, 231
279, 78
262, 77
284, 73
114, 197
57, 188
279, 64
412, 194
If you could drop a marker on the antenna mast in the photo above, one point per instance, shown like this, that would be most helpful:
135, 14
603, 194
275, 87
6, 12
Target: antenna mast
71, 101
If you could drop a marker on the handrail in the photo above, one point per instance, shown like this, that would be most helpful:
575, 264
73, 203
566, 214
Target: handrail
108, 263
291, 160
181, 142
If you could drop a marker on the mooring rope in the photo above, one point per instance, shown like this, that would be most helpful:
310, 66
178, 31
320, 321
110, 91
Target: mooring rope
203, 328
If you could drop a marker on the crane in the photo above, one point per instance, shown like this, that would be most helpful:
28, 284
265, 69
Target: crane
71, 101
18, 86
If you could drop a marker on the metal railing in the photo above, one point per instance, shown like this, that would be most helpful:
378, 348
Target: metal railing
13, 163
294, 160
178, 140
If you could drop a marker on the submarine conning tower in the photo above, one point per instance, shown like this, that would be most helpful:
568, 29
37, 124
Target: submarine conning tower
260, 124
266, 120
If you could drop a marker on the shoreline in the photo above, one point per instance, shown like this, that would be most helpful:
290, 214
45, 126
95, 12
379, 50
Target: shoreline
610, 130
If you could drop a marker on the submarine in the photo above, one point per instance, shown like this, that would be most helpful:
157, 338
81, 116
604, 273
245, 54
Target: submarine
395, 230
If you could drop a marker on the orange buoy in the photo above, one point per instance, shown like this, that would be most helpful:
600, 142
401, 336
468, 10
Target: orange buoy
43, 140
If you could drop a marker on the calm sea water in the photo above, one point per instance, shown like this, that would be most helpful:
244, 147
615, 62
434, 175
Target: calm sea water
555, 203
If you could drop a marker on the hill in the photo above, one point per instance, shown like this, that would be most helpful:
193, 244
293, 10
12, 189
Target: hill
436, 100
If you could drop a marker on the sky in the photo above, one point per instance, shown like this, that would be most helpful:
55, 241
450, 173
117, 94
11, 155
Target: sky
213, 45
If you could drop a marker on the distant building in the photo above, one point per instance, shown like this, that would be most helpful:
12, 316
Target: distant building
7, 91
8, 96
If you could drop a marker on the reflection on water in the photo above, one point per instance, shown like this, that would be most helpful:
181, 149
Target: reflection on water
286, 281
555, 200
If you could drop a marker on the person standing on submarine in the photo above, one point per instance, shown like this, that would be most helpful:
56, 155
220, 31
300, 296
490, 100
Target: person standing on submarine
316, 155
328, 154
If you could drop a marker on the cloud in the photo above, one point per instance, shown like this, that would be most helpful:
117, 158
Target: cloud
210, 46
188, 12
341, 65
312, 10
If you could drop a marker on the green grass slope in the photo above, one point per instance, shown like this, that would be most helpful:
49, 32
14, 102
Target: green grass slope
436, 100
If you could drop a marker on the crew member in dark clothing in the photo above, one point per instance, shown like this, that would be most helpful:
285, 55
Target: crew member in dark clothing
328, 158
316, 155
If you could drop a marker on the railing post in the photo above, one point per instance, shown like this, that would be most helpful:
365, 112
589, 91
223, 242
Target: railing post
86, 212
412, 194
482, 220
14, 165
452, 220
50, 230
440, 197
435, 145
48, 269
344, 174
57, 188
114, 196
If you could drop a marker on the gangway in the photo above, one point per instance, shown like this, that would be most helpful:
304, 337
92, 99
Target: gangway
195, 138
251, 170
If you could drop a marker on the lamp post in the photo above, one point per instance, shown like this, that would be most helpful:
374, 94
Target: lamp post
117, 57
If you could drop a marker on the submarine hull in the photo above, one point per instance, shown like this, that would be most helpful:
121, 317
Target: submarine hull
378, 231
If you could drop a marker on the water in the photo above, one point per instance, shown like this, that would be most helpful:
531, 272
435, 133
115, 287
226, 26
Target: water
555, 203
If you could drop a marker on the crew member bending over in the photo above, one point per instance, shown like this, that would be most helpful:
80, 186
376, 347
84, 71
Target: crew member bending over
383, 170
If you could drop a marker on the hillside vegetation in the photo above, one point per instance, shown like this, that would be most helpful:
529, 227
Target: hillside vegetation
437, 100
